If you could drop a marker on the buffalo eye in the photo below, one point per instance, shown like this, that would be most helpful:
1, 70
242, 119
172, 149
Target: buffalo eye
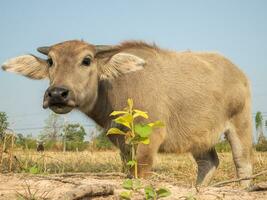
86, 61
50, 62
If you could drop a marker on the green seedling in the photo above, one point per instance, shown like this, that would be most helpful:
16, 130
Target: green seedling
138, 133
152, 193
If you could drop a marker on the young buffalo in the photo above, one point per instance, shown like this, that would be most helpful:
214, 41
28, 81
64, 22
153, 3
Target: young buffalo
199, 96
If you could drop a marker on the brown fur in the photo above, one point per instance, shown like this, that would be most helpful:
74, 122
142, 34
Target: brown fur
198, 96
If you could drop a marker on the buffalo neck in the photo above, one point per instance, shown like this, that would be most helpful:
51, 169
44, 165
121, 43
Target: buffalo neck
102, 108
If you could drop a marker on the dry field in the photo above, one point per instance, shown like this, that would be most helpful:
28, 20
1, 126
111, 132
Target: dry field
58, 175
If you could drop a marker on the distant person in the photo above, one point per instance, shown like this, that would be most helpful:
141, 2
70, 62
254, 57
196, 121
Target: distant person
40, 146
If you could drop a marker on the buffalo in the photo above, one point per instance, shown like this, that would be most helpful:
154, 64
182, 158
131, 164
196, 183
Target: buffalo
198, 95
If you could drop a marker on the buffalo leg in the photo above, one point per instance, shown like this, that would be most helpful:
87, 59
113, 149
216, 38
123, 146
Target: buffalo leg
146, 152
240, 138
125, 151
207, 164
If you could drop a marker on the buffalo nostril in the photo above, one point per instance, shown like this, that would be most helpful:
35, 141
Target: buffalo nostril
65, 94
58, 94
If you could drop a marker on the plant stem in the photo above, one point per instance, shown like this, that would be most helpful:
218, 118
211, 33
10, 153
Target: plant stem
133, 147
135, 161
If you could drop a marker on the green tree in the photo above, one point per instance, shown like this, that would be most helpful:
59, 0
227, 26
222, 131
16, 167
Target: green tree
102, 142
74, 132
53, 127
3, 124
259, 127
25, 142
21, 140
99, 140
73, 137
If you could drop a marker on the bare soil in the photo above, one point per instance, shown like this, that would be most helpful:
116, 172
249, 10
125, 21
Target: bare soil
84, 186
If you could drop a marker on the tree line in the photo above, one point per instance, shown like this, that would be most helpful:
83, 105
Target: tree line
261, 143
59, 135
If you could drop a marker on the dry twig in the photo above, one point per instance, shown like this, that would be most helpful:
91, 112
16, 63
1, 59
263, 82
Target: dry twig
239, 179
84, 174
55, 179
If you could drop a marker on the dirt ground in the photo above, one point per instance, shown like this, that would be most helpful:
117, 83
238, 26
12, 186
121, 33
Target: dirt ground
84, 186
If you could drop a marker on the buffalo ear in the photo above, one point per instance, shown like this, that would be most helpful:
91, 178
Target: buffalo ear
119, 64
27, 65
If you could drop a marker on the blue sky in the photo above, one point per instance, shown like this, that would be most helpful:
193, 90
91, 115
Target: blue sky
237, 29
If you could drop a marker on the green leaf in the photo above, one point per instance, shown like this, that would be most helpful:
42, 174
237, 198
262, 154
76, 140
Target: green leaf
115, 131
145, 140
156, 124
128, 184
143, 131
150, 193
126, 195
140, 113
125, 120
34, 170
127, 117
114, 113
137, 184
163, 192
131, 163
138, 139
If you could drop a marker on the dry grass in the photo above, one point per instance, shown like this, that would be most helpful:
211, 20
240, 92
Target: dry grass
177, 168
182, 168
61, 162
